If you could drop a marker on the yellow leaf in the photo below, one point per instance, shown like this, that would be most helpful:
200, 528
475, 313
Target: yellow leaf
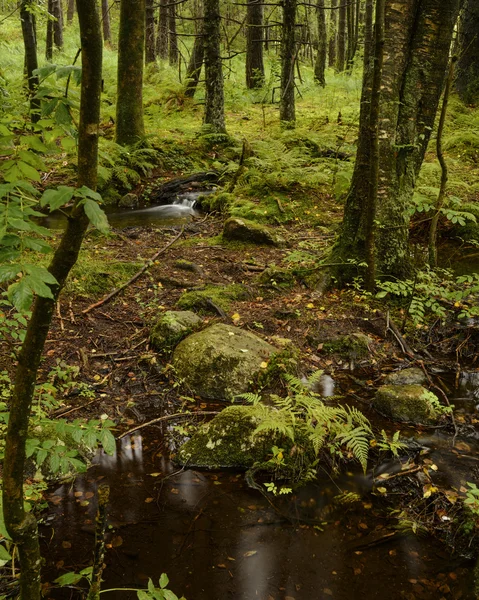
236, 317
250, 553
264, 365
310, 305
381, 490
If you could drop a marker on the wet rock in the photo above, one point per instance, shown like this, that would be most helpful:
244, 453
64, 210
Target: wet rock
128, 201
409, 402
410, 376
242, 230
220, 361
172, 327
227, 441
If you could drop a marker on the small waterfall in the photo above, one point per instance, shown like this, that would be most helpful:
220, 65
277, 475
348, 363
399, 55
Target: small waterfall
188, 200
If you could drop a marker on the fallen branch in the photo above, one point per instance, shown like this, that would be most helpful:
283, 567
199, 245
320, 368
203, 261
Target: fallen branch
167, 418
134, 278
397, 334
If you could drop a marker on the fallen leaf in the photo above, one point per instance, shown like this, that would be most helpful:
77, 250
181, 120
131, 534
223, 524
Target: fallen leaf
357, 571
154, 474
250, 553
89, 495
148, 500
264, 365
66, 544
116, 541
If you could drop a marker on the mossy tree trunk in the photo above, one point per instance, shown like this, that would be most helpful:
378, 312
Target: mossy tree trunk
70, 11
49, 36
287, 108
333, 25
350, 12
58, 24
105, 20
418, 36
320, 63
27, 19
341, 38
131, 44
254, 45
22, 526
195, 64
214, 116
368, 31
467, 70
162, 33
173, 53
150, 48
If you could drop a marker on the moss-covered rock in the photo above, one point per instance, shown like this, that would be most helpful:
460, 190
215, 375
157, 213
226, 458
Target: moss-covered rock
277, 278
207, 299
220, 361
172, 327
227, 441
129, 200
414, 375
411, 402
242, 230
353, 346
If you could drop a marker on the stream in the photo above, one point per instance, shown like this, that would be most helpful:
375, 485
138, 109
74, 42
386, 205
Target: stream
217, 539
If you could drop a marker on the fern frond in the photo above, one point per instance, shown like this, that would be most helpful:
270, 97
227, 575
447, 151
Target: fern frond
357, 441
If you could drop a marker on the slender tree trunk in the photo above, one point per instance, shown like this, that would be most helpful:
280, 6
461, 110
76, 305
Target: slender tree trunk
105, 19
320, 64
350, 33
70, 11
30, 42
341, 47
22, 526
49, 37
193, 71
254, 45
150, 48
214, 100
416, 52
131, 44
287, 109
58, 24
333, 26
162, 37
372, 200
368, 31
467, 71
173, 40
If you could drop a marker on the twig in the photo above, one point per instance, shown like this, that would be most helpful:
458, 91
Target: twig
398, 474
134, 278
167, 418
397, 334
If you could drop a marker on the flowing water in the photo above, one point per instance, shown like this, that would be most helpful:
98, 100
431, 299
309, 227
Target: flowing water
217, 539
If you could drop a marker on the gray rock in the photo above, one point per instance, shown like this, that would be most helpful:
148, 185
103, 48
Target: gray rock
242, 230
172, 327
129, 200
220, 361
410, 402
414, 375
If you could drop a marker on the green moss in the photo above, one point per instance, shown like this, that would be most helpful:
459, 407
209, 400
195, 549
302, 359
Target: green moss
221, 296
353, 346
96, 275
172, 327
410, 402
277, 278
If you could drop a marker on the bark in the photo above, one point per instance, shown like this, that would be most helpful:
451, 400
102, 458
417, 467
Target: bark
105, 20
131, 43
150, 49
341, 47
70, 11
173, 53
31, 61
49, 36
368, 31
58, 24
320, 63
467, 71
350, 33
193, 70
417, 40
287, 109
162, 37
333, 24
214, 99
22, 526
254, 45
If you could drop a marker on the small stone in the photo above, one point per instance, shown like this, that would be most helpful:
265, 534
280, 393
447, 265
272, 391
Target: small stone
410, 376
129, 200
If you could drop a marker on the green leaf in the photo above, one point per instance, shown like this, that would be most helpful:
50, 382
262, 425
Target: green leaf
107, 440
169, 595
54, 463
86, 192
58, 197
69, 578
31, 159
37, 245
4, 554
20, 295
38, 286
62, 115
19, 224
40, 273
35, 143
96, 215
8, 272
164, 580
30, 446
29, 171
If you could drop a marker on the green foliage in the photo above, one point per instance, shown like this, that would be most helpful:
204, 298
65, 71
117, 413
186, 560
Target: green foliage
472, 499
393, 445
122, 167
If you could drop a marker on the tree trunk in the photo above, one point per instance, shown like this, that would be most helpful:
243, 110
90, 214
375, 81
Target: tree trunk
214, 99
173, 40
58, 24
287, 110
162, 37
70, 11
105, 19
467, 70
49, 37
333, 25
320, 64
350, 33
193, 71
131, 43
150, 49
254, 45
30, 42
368, 31
22, 526
341, 47
417, 42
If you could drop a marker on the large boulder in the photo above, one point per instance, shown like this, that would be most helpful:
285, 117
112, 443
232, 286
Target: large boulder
220, 361
172, 327
226, 441
414, 375
242, 230
410, 402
